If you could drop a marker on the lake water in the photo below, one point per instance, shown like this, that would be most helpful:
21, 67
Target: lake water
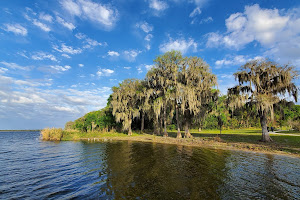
34, 169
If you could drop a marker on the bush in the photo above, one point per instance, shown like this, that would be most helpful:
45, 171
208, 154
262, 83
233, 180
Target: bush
296, 125
171, 127
52, 134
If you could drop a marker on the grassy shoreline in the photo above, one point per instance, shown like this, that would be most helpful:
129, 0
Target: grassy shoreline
241, 139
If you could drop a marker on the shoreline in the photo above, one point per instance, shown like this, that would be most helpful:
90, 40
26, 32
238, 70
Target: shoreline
216, 143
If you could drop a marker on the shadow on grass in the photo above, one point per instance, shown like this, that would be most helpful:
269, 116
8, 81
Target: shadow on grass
245, 136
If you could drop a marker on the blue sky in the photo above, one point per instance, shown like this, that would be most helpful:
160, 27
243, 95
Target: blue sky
59, 59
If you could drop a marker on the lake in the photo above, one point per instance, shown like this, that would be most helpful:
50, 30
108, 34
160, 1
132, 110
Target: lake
35, 169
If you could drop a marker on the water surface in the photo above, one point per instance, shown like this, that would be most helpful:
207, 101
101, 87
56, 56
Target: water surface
34, 169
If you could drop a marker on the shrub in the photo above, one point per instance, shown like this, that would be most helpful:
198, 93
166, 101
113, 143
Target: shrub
52, 134
296, 125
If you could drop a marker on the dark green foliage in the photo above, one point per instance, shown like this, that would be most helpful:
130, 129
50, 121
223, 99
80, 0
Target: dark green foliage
97, 120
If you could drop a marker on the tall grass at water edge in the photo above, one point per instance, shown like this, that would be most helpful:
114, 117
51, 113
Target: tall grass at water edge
52, 134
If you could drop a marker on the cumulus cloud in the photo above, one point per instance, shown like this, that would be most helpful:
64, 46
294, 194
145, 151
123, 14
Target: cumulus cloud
235, 60
178, 45
46, 17
15, 28
81, 65
88, 42
43, 56
113, 53
65, 55
278, 32
41, 25
67, 49
145, 27
68, 25
96, 12
158, 5
105, 72
130, 55
59, 68
148, 67
38, 106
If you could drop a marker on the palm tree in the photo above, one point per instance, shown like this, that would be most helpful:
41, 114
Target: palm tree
260, 83
124, 102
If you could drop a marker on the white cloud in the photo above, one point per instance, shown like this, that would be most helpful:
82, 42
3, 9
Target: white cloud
105, 72
15, 66
195, 12
46, 17
35, 106
42, 26
144, 26
3, 70
59, 68
68, 25
235, 60
88, 42
95, 12
148, 37
158, 5
206, 20
139, 69
67, 49
130, 55
43, 56
16, 29
277, 32
80, 36
179, 45
255, 24
200, 3
81, 65
113, 53
65, 55
127, 67
148, 67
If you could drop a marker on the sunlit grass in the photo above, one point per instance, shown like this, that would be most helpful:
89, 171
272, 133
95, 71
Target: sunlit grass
55, 134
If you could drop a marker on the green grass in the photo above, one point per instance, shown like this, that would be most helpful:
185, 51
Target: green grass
237, 139
249, 136
77, 135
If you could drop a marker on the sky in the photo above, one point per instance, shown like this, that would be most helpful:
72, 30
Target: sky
60, 58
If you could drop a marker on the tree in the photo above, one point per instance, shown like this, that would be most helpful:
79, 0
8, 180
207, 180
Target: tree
196, 82
260, 83
124, 103
69, 125
162, 79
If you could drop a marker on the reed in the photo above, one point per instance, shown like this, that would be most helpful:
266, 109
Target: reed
52, 134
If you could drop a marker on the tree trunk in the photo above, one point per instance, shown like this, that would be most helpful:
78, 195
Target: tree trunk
129, 129
220, 130
177, 120
187, 133
161, 126
265, 134
142, 122
165, 122
156, 126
